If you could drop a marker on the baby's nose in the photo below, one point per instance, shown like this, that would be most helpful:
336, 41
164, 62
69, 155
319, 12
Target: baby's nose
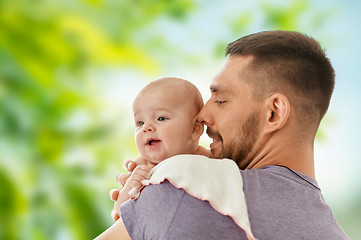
148, 127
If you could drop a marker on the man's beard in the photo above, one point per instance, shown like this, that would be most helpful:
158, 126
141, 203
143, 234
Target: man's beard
238, 149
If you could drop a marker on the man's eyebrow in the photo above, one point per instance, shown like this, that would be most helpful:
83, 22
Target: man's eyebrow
216, 88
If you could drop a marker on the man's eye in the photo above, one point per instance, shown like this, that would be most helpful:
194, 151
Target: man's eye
140, 123
162, 118
219, 102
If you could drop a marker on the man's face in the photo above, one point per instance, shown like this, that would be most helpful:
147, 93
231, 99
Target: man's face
231, 114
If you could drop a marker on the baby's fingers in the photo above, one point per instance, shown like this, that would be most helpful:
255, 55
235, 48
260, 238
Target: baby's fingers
129, 165
134, 193
122, 178
142, 171
136, 182
113, 194
115, 215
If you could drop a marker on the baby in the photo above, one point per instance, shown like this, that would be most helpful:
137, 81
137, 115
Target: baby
165, 125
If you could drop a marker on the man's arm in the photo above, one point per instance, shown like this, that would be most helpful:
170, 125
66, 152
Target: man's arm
116, 231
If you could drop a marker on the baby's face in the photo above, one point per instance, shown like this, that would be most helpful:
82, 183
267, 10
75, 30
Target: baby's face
163, 125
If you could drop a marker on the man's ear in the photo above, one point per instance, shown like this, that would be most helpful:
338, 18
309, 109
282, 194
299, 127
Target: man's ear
198, 129
278, 110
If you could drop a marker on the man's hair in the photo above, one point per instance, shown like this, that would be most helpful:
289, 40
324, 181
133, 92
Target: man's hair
289, 62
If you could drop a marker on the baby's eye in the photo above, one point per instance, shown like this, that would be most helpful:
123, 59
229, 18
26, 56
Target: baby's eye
140, 123
162, 118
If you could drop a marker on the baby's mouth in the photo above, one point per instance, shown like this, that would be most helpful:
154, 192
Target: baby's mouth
152, 142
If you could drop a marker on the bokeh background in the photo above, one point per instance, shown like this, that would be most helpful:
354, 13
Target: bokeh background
70, 69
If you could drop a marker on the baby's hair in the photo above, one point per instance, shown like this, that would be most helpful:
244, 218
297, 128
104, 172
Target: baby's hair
183, 87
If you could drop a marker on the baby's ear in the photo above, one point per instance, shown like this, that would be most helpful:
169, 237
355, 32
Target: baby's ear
198, 129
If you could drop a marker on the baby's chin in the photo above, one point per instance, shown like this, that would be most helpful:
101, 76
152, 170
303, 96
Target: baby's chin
155, 160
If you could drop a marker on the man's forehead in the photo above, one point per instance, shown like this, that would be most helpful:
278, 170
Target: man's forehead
220, 84
231, 74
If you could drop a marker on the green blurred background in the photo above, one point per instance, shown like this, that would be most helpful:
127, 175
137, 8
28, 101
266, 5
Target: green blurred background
69, 71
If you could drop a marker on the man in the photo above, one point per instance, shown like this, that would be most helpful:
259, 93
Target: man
266, 105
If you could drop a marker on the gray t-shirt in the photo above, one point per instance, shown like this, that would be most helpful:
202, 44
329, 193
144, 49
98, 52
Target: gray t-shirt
282, 204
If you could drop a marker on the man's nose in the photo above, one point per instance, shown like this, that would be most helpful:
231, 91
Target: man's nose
205, 116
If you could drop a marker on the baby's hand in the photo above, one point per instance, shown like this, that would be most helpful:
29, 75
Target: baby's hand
122, 178
134, 183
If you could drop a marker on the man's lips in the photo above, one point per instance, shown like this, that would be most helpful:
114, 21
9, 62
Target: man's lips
216, 137
215, 143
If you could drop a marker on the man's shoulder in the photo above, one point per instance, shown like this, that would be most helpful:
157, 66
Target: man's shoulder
280, 196
167, 211
164, 190
278, 174
188, 217
158, 199
151, 214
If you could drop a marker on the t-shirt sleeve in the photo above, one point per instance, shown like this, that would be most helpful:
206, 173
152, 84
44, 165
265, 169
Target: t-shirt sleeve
150, 216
